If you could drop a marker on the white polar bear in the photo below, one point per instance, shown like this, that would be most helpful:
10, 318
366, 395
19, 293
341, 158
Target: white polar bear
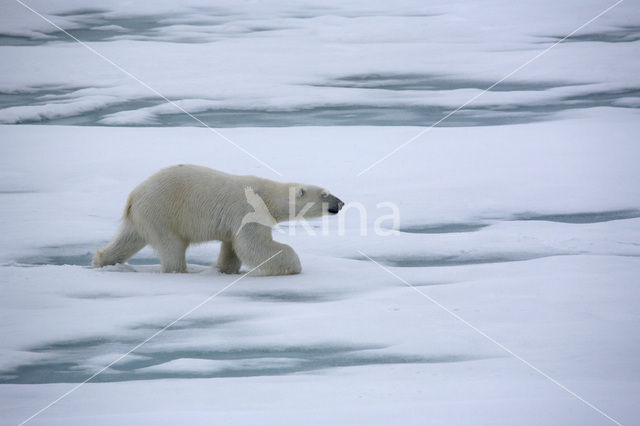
187, 204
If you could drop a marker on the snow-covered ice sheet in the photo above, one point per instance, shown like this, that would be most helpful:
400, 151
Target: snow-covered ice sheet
529, 232
521, 217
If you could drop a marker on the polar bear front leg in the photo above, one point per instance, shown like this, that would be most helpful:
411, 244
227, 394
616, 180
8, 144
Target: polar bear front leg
255, 246
228, 261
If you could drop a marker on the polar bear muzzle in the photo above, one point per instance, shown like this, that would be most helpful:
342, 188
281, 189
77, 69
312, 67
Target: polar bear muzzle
335, 204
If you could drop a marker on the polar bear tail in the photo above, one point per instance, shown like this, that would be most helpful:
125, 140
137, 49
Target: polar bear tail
125, 244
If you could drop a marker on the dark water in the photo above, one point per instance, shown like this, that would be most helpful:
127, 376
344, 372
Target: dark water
65, 366
575, 218
623, 34
98, 25
409, 261
81, 254
288, 296
443, 228
583, 217
343, 114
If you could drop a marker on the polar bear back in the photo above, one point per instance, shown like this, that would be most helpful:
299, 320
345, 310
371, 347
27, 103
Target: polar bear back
193, 202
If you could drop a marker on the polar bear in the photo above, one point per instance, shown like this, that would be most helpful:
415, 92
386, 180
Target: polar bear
187, 204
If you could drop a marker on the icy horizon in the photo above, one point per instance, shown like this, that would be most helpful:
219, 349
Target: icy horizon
508, 294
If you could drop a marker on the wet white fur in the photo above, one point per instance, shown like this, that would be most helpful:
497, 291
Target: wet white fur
188, 204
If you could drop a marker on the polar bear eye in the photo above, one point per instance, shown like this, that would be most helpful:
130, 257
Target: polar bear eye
301, 192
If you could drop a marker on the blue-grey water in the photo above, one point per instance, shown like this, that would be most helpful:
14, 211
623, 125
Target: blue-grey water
97, 25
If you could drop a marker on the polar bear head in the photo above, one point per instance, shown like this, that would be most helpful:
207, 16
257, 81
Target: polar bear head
309, 201
293, 201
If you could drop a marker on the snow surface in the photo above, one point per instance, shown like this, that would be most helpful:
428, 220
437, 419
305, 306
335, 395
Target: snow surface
521, 217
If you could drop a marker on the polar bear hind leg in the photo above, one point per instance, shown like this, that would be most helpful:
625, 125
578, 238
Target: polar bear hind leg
125, 244
228, 261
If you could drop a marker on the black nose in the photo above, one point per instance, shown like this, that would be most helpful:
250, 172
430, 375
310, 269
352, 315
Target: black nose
335, 204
